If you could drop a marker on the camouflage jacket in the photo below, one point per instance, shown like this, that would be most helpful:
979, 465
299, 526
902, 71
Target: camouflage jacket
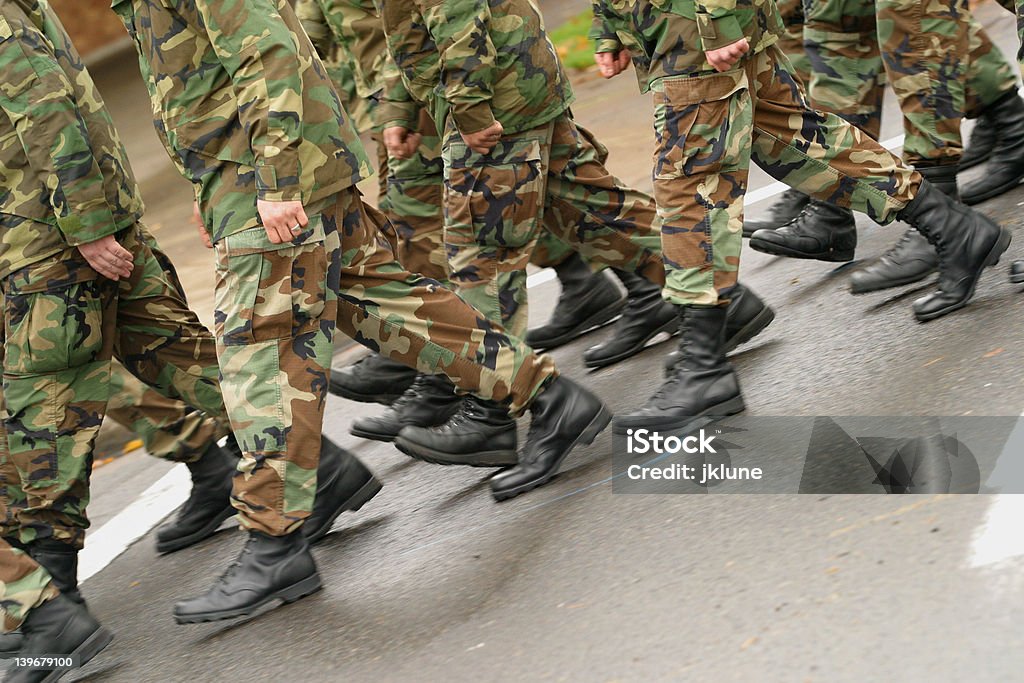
355, 26
669, 37
243, 104
486, 60
64, 174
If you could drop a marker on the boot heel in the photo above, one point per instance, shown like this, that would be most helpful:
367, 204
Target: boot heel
364, 494
307, 586
1002, 244
596, 426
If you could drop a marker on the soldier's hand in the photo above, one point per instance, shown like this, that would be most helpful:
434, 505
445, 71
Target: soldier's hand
724, 58
612, 63
483, 141
401, 142
108, 258
197, 218
283, 221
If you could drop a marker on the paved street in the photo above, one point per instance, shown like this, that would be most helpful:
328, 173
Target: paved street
433, 581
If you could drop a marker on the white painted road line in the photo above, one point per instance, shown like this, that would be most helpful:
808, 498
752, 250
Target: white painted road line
105, 544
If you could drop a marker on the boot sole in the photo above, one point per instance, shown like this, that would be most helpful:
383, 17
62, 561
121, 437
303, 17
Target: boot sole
892, 284
671, 326
779, 250
357, 500
723, 409
993, 192
210, 529
586, 437
372, 436
603, 317
763, 319
497, 458
296, 591
92, 646
1017, 279
1000, 247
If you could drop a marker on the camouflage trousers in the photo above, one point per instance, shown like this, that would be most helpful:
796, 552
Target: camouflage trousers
169, 429
24, 584
277, 306
856, 45
710, 126
792, 41
550, 177
415, 206
64, 324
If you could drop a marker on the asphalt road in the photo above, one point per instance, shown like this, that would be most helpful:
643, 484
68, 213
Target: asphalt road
435, 581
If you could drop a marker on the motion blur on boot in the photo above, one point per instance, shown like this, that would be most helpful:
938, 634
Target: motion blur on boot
429, 402
786, 208
1004, 168
588, 301
343, 483
646, 316
480, 434
372, 379
822, 232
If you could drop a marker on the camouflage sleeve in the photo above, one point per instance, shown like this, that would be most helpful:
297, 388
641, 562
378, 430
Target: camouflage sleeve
311, 16
38, 98
356, 27
397, 106
461, 29
261, 54
602, 30
717, 23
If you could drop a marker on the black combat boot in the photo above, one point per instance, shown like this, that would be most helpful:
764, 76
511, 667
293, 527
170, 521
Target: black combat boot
746, 316
343, 483
822, 231
564, 415
783, 211
646, 316
1005, 168
1017, 272
481, 434
429, 402
982, 142
59, 626
209, 503
911, 259
269, 568
588, 301
702, 383
60, 560
966, 241
372, 379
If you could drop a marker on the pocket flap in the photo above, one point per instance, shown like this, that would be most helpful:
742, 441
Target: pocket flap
255, 240
698, 89
506, 152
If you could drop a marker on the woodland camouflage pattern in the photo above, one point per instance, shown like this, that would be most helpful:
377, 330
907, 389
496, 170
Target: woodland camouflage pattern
243, 105
58, 185
23, 585
551, 176
276, 312
849, 41
668, 37
493, 61
710, 125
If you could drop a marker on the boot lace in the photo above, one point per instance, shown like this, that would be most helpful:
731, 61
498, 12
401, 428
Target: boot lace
237, 562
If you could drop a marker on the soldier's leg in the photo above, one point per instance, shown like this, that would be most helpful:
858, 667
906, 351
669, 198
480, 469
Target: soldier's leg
990, 78
792, 41
826, 157
588, 299
847, 79
413, 189
169, 429
34, 602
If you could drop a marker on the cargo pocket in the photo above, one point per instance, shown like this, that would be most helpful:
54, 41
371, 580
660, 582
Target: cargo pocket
53, 316
266, 291
704, 125
493, 200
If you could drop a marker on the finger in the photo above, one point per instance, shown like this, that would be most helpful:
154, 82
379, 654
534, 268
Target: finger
300, 217
117, 266
120, 252
272, 234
